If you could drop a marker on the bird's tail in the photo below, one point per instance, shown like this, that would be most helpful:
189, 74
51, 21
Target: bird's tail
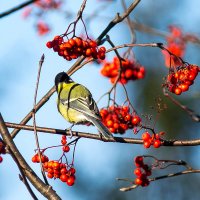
102, 129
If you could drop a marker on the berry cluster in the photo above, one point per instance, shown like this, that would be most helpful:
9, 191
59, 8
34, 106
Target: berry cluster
56, 169
182, 79
130, 70
118, 119
176, 45
75, 47
2, 150
142, 171
38, 9
61, 171
65, 147
36, 158
48, 4
149, 140
42, 28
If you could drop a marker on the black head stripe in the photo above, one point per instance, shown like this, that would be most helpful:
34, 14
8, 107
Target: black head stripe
62, 77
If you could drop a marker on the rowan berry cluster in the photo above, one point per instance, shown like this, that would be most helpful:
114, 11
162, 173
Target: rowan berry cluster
130, 70
75, 47
42, 28
118, 119
65, 147
36, 158
38, 10
2, 151
182, 79
48, 4
55, 169
142, 171
149, 140
176, 45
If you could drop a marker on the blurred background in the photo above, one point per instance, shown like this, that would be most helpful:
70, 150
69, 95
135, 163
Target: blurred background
98, 164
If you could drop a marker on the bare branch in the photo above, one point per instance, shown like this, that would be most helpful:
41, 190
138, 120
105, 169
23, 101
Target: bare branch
45, 190
195, 117
129, 188
6, 13
34, 118
22, 176
97, 137
118, 19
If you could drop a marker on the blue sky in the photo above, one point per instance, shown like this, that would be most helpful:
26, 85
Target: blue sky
20, 52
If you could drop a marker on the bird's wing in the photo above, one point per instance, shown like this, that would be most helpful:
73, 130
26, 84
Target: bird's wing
85, 105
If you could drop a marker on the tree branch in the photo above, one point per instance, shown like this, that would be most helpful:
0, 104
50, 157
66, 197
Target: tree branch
118, 19
194, 142
45, 190
129, 188
12, 10
22, 175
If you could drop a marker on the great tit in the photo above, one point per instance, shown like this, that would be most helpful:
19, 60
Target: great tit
76, 105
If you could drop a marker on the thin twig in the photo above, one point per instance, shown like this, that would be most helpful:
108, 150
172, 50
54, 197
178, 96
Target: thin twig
45, 190
119, 18
129, 188
34, 119
195, 117
12, 10
73, 70
120, 64
22, 175
131, 27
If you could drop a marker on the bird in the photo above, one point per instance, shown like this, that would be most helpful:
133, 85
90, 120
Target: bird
76, 104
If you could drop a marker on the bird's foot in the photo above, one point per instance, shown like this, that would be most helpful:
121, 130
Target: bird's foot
70, 130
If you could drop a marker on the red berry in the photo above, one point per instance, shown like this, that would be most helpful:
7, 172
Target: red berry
145, 182
116, 125
50, 164
93, 43
79, 42
49, 44
72, 42
177, 91
109, 123
34, 158
184, 87
56, 165
50, 170
157, 143
66, 148
63, 142
63, 177
146, 136
128, 73
70, 181
72, 170
63, 171
45, 165
139, 161
138, 172
49, 175
103, 49
136, 120
138, 181
1, 159
147, 144
88, 52
128, 117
